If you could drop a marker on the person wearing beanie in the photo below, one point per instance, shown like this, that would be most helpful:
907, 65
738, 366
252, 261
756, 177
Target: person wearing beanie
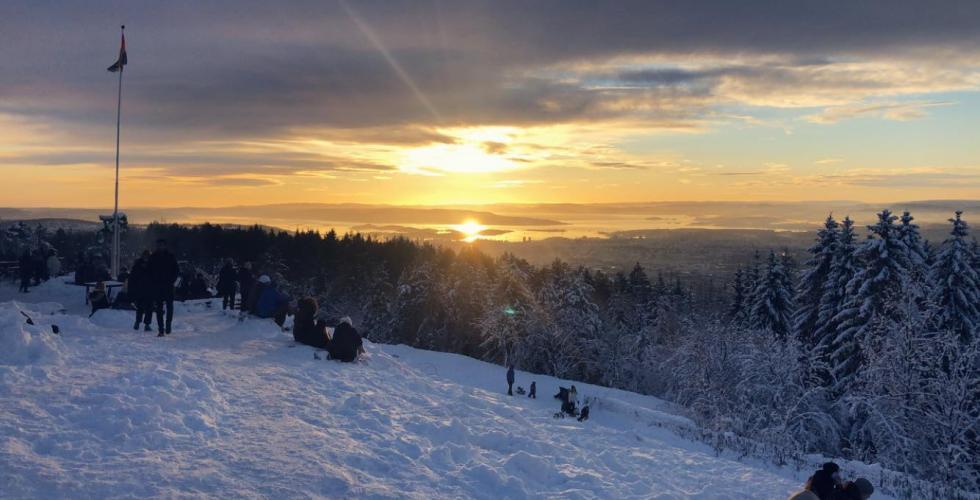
858, 489
825, 482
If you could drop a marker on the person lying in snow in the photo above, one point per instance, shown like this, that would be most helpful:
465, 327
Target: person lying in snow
346, 344
306, 328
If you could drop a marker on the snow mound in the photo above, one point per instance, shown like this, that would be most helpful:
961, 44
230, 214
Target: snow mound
25, 344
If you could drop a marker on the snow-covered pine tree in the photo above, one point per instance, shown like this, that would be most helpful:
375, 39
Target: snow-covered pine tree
772, 309
843, 267
619, 338
415, 310
512, 315
956, 284
570, 336
737, 313
918, 253
884, 272
813, 280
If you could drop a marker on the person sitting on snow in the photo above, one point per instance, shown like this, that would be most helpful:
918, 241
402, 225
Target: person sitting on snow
268, 302
199, 287
346, 344
825, 482
98, 297
306, 328
568, 399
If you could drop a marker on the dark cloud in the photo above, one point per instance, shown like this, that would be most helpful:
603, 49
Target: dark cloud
248, 69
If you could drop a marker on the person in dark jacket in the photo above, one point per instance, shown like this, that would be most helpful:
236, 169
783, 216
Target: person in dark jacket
141, 291
858, 489
306, 328
510, 380
25, 267
585, 414
199, 288
163, 272
226, 285
825, 482
534, 391
346, 344
245, 283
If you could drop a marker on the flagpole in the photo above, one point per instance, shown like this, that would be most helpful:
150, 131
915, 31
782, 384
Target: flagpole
115, 210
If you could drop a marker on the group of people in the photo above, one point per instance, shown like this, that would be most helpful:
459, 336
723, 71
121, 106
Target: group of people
37, 266
567, 396
827, 484
150, 288
342, 342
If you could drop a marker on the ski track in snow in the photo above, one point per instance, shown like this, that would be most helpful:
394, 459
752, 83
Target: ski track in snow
230, 409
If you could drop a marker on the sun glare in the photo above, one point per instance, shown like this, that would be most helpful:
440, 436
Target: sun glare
471, 229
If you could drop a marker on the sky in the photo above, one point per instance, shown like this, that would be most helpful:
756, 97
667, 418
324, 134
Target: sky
472, 102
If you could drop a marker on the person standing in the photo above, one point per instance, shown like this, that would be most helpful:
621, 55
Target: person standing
140, 289
54, 265
25, 266
534, 391
226, 285
510, 380
245, 283
163, 272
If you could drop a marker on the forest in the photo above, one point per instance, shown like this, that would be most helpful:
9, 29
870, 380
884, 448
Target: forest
867, 350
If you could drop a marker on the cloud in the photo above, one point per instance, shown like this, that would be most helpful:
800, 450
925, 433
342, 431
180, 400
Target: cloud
310, 89
898, 111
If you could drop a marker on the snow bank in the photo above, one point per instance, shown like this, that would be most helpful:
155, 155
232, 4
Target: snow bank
25, 344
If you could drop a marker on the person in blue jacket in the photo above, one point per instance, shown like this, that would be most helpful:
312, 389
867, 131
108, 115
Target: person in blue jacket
268, 302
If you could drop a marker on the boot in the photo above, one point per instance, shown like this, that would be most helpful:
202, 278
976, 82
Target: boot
146, 328
160, 334
136, 326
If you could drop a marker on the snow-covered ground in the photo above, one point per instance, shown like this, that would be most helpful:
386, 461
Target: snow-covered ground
229, 409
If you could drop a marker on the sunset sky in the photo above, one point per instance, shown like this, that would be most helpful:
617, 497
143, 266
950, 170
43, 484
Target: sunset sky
453, 102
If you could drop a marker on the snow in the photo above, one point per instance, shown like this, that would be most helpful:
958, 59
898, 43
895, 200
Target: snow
236, 409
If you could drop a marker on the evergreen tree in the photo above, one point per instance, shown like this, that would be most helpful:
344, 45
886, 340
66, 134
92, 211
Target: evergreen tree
737, 313
956, 283
574, 321
813, 282
511, 317
918, 254
884, 272
843, 268
773, 307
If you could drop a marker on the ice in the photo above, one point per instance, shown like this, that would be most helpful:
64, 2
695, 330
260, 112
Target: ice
230, 409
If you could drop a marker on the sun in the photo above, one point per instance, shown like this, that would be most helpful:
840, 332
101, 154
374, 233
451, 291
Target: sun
471, 229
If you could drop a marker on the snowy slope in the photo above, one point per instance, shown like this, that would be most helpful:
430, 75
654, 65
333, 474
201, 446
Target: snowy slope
237, 410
